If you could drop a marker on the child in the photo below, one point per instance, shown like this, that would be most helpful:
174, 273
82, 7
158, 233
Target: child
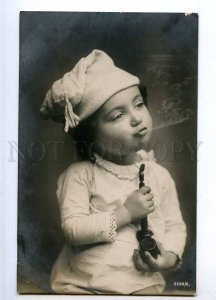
100, 204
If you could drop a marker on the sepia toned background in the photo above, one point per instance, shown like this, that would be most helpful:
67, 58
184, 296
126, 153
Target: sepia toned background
161, 49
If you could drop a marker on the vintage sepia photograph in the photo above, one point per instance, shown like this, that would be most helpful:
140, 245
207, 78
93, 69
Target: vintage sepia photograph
107, 170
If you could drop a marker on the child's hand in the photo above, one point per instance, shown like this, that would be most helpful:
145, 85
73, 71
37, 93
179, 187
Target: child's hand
165, 260
140, 203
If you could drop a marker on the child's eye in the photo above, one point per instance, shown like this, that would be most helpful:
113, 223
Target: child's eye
140, 104
118, 116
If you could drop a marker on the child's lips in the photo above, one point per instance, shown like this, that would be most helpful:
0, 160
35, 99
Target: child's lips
141, 132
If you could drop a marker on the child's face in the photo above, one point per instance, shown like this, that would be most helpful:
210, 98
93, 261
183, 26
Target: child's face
123, 123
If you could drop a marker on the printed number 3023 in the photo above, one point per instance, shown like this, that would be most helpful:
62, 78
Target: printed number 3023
181, 283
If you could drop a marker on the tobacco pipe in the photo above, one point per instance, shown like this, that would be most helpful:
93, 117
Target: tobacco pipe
144, 236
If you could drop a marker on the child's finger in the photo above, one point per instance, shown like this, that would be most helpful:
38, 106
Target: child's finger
66, 126
152, 262
72, 123
139, 264
149, 198
66, 121
69, 112
69, 106
67, 117
161, 248
145, 190
77, 118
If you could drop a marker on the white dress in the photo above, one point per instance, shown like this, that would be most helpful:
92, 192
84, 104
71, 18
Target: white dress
95, 257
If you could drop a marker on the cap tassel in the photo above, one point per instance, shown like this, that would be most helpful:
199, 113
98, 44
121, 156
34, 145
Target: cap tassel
71, 119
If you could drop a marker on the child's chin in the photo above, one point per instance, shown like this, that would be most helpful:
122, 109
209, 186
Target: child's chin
144, 145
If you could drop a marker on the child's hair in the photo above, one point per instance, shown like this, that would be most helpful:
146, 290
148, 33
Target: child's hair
84, 133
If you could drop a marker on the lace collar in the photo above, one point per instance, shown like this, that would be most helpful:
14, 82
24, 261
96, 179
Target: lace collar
125, 171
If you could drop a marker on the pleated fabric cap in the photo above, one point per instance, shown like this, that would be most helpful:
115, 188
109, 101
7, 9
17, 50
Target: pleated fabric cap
80, 92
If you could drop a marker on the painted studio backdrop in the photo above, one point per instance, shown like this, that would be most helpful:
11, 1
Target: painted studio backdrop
161, 49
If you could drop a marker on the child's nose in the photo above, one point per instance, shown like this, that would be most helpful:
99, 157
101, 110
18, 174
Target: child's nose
135, 119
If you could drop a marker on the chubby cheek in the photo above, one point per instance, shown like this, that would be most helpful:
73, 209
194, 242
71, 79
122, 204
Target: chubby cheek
111, 138
108, 137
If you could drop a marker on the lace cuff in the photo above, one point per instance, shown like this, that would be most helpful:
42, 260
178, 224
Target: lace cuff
111, 227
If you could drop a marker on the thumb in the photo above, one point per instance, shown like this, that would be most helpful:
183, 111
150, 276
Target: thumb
145, 190
161, 248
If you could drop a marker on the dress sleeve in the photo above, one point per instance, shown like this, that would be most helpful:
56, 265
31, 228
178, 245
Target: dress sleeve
175, 237
79, 226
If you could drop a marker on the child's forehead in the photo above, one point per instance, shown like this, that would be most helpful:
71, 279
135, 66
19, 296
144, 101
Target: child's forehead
123, 97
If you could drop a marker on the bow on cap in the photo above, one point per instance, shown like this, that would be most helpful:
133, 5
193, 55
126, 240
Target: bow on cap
80, 92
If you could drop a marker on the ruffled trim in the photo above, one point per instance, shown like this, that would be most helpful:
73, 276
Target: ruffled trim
125, 171
111, 227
